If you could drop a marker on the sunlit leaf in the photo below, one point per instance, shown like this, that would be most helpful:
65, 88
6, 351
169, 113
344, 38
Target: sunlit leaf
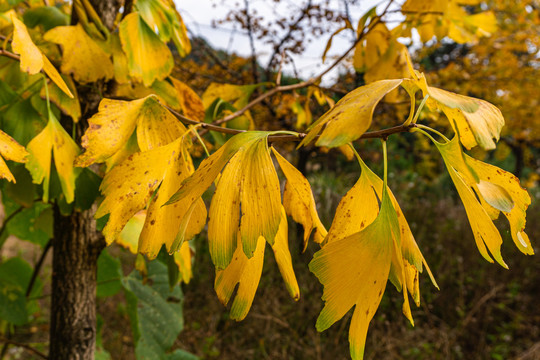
110, 129
82, 56
486, 235
299, 202
283, 257
130, 184
149, 59
354, 271
10, 150
53, 140
163, 222
351, 116
32, 60
243, 272
503, 191
478, 122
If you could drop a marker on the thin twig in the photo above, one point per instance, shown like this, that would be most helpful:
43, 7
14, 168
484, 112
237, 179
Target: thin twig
10, 55
24, 346
378, 134
8, 219
305, 83
38, 266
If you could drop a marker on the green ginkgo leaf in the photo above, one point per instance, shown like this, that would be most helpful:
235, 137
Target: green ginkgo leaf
149, 59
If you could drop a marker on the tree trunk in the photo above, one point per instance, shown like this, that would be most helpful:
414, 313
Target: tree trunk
77, 245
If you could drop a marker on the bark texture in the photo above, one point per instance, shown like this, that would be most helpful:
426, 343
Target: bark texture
76, 247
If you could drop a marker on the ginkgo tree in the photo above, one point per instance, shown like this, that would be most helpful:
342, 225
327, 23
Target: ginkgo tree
96, 106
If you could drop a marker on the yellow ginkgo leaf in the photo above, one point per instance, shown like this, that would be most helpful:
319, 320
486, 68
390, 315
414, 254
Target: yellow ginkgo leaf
53, 140
354, 272
358, 209
253, 178
513, 200
247, 272
31, 57
10, 150
283, 257
68, 105
351, 116
32, 60
260, 196
190, 103
243, 272
299, 202
149, 59
478, 122
110, 129
163, 222
183, 259
130, 184
82, 56
225, 207
486, 235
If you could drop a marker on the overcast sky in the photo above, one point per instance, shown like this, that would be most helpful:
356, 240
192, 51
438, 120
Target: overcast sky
198, 16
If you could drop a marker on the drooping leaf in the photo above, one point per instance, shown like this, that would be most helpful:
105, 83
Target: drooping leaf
82, 57
354, 271
478, 122
258, 194
53, 140
298, 201
163, 222
351, 116
243, 272
283, 257
149, 59
110, 129
10, 150
486, 235
503, 191
129, 236
32, 60
260, 197
130, 184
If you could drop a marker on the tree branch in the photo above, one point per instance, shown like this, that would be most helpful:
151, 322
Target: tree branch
305, 83
24, 346
378, 134
10, 55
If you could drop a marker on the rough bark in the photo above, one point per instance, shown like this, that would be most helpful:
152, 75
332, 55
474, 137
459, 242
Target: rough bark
76, 247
